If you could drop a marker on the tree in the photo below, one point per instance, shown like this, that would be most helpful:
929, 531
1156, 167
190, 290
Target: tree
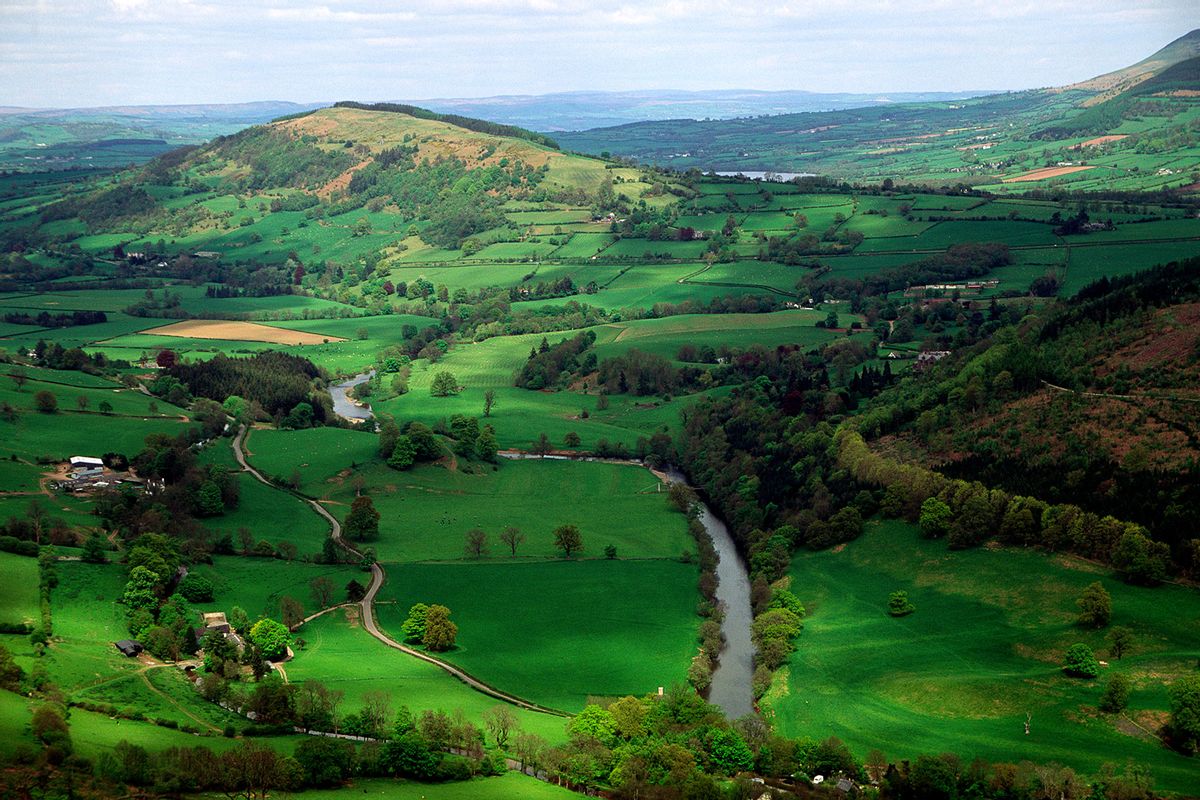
196, 588
209, 502
270, 637
326, 762
94, 549
568, 539
935, 518
476, 545
1095, 606
321, 589
542, 446
239, 620
166, 358
291, 611
404, 453
355, 591
414, 625
106, 407
11, 673
898, 604
499, 721
1184, 723
489, 402
1120, 640
440, 632
45, 402
362, 523
571, 439
81, 402
1140, 560
444, 384
512, 538
486, 446
1116, 694
1080, 662
19, 378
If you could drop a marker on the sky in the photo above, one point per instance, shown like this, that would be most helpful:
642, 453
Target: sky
74, 53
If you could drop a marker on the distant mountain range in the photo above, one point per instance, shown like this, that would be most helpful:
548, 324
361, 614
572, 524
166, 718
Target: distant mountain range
574, 111
1128, 130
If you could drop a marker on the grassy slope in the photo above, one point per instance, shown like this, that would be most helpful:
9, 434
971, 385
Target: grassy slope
344, 657
426, 512
556, 632
19, 601
982, 650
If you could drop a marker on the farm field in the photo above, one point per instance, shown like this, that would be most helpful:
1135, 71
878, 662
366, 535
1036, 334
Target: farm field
238, 331
19, 602
426, 512
617, 627
992, 627
339, 653
319, 455
257, 584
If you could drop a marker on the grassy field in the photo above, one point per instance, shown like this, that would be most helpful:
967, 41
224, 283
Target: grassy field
426, 512
982, 650
344, 657
19, 601
258, 584
557, 632
319, 455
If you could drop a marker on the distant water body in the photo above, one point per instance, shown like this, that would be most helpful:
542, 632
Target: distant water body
776, 177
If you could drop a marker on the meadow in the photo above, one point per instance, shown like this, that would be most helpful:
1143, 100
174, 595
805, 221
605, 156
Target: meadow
982, 651
426, 512
340, 654
19, 602
557, 632
258, 584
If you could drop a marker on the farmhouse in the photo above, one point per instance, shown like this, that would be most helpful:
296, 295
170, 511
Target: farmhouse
86, 466
929, 358
128, 647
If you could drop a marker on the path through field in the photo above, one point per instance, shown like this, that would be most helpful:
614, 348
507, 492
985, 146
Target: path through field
368, 601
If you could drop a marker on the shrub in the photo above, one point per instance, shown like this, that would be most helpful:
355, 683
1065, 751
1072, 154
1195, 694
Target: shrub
1080, 662
898, 604
1116, 695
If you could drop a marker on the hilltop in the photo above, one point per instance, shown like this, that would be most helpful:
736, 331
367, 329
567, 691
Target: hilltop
1129, 130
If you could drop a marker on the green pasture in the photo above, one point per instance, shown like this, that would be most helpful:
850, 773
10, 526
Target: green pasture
520, 415
666, 335
339, 653
271, 514
69, 433
982, 651
426, 512
258, 584
557, 632
75, 511
319, 455
19, 602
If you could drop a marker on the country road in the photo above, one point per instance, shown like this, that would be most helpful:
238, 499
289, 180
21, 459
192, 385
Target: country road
368, 601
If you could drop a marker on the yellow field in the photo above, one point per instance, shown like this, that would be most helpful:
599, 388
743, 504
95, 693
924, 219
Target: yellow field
239, 332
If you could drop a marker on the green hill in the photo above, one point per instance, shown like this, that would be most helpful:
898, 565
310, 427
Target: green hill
1130, 130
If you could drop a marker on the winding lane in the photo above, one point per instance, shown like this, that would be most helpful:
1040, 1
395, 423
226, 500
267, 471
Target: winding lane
368, 601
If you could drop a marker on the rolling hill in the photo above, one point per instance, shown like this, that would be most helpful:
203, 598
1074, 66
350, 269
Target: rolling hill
1130, 130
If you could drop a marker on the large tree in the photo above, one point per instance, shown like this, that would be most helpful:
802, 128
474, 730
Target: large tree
568, 539
1095, 606
440, 632
362, 523
444, 384
1185, 713
271, 637
512, 538
476, 544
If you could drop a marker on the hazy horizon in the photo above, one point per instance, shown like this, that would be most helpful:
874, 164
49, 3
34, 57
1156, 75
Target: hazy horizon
180, 52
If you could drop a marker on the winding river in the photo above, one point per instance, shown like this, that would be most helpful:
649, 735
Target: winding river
342, 405
731, 687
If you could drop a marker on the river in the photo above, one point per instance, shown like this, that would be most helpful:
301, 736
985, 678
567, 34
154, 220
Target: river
732, 680
342, 405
